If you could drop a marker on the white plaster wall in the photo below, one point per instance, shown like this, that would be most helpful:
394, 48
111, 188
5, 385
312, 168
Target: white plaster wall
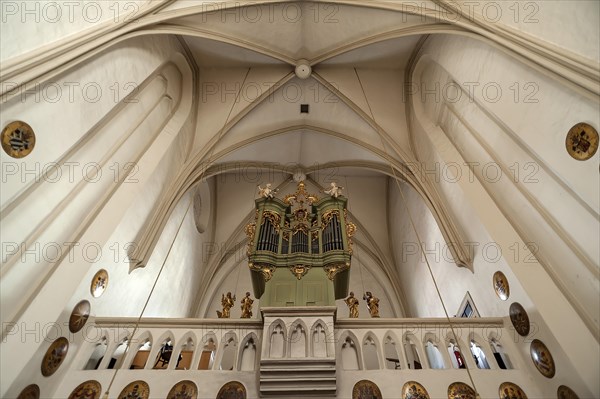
28, 26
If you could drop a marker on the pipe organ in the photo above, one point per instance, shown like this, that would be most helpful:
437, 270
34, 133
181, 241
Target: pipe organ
299, 248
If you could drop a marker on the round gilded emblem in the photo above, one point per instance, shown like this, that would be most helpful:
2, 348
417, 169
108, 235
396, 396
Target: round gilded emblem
542, 359
99, 283
136, 390
54, 356
519, 319
581, 142
79, 316
508, 390
87, 390
18, 139
460, 390
414, 390
183, 390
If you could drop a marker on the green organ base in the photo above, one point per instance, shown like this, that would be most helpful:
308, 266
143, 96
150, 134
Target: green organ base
284, 289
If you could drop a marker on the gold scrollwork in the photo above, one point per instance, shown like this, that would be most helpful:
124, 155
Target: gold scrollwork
314, 235
273, 217
266, 270
299, 270
333, 270
327, 216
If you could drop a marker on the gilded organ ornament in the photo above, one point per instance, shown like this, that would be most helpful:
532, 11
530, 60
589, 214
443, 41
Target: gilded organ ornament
99, 283
564, 392
366, 389
183, 390
136, 390
31, 391
508, 390
542, 359
227, 301
18, 139
519, 319
460, 390
352, 304
501, 285
414, 390
299, 271
246, 306
54, 356
266, 270
79, 316
87, 390
372, 303
582, 141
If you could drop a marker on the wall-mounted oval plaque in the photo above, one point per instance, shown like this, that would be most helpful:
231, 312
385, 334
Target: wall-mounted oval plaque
414, 390
183, 390
79, 316
564, 392
501, 285
460, 390
542, 359
30, 392
99, 283
18, 139
519, 319
136, 390
508, 390
54, 356
582, 141
87, 390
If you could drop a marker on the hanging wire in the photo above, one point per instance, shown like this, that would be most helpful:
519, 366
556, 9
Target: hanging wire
137, 324
412, 223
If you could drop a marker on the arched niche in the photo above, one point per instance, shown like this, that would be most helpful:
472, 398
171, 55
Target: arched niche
390, 352
95, 358
319, 345
184, 352
350, 353
277, 337
370, 349
163, 354
139, 352
298, 342
228, 352
412, 352
209, 351
249, 350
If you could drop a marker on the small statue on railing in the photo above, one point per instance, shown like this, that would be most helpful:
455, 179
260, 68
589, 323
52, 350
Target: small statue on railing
227, 302
372, 304
246, 306
266, 192
352, 303
335, 190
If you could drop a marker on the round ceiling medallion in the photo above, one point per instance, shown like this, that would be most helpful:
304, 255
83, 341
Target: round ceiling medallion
564, 392
87, 390
136, 390
542, 359
414, 390
99, 283
519, 319
79, 316
303, 69
183, 390
460, 390
54, 356
30, 392
18, 139
582, 141
501, 285
508, 390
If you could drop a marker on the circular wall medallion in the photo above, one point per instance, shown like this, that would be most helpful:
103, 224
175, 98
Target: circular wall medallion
501, 285
79, 316
232, 390
54, 356
460, 390
508, 390
135, 390
414, 390
30, 392
542, 359
519, 318
99, 283
581, 142
87, 390
365, 389
183, 390
564, 392
18, 139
